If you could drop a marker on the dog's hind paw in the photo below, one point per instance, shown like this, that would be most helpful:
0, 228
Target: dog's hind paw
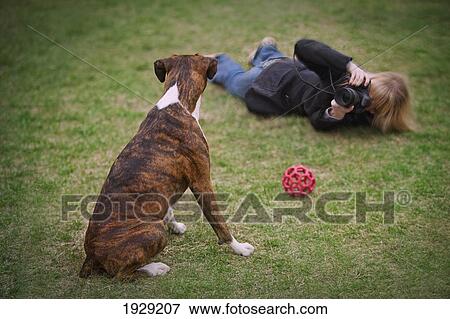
155, 269
177, 228
243, 249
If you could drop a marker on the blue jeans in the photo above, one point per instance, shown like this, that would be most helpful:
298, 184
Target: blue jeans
235, 79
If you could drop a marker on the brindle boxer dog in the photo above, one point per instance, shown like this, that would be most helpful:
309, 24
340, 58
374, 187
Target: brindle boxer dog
168, 154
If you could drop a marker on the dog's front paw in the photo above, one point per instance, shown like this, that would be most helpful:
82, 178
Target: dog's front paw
243, 249
177, 228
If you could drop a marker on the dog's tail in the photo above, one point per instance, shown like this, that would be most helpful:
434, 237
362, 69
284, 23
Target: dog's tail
87, 268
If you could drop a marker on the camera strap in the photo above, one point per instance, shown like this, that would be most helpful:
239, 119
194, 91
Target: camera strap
311, 84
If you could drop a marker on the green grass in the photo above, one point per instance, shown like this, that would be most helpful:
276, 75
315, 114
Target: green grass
62, 124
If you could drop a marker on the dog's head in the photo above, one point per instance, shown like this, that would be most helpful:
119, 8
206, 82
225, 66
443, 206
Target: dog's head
189, 72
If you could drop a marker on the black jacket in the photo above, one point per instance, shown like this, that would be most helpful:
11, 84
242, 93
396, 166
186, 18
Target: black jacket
280, 90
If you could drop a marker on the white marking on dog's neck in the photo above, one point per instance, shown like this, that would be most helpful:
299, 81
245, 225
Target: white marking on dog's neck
170, 97
196, 113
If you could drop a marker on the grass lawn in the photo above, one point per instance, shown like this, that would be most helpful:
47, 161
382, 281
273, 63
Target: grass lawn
62, 124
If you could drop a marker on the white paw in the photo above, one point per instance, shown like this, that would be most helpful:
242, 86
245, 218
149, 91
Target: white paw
177, 228
243, 249
155, 269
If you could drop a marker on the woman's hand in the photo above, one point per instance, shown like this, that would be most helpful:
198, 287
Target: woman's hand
338, 112
357, 75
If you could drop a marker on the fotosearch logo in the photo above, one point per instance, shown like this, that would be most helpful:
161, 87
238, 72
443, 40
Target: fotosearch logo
248, 210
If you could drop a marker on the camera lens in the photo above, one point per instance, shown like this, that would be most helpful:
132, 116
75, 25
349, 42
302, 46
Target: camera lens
346, 97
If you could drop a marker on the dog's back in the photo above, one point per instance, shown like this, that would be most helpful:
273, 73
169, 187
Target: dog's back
155, 159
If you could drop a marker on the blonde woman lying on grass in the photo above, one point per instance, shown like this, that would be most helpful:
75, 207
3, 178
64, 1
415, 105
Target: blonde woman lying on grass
276, 85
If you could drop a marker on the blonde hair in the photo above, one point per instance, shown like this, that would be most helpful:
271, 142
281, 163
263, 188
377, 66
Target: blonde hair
391, 104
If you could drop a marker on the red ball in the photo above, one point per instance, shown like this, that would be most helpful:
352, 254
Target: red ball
298, 180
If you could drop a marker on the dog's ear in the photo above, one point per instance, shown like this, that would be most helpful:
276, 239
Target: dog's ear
212, 68
160, 69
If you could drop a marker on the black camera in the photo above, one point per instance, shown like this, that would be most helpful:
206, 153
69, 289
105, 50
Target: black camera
357, 96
